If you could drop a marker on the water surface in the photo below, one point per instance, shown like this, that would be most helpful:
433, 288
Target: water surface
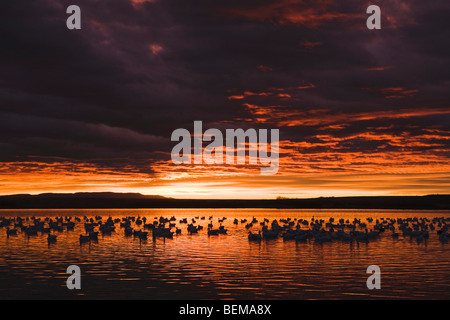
228, 266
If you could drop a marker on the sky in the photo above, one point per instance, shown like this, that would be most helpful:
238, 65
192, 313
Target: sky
359, 112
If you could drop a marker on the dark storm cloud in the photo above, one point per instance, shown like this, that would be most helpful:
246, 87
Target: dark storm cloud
135, 72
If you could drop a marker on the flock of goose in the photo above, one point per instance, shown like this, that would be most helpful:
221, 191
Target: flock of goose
326, 231
299, 230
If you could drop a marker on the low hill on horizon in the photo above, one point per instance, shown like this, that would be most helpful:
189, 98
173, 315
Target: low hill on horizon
105, 195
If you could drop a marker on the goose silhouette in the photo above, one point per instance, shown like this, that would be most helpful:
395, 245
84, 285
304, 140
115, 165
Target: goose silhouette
254, 236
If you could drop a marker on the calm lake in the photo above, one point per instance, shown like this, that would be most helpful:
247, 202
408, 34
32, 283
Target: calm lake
224, 266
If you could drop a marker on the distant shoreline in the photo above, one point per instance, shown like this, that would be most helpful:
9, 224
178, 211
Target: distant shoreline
111, 200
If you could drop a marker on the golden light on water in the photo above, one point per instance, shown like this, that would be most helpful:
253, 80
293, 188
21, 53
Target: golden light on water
198, 266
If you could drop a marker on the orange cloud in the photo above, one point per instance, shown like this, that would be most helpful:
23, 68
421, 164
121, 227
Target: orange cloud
140, 2
394, 92
272, 92
155, 48
283, 116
